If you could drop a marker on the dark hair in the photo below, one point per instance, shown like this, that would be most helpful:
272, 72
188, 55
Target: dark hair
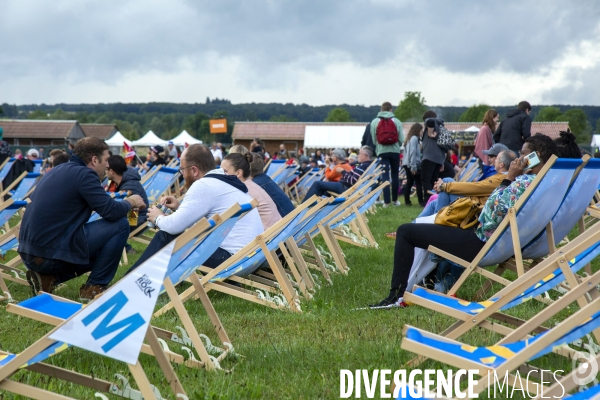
89, 147
387, 106
524, 106
60, 159
117, 164
488, 119
240, 161
415, 130
543, 145
257, 166
566, 145
200, 156
429, 114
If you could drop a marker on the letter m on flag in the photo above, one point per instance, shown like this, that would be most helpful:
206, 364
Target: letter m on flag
111, 308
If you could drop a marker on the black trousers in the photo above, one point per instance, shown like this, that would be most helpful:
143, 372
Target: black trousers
462, 243
410, 180
430, 172
391, 165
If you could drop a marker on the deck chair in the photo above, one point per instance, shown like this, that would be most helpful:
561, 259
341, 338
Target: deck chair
26, 187
190, 249
300, 188
5, 167
37, 166
274, 168
9, 241
469, 170
558, 268
281, 176
514, 350
568, 383
246, 261
122, 346
147, 176
525, 220
569, 214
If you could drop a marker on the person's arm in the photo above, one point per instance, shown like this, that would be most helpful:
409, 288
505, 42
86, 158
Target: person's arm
374, 130
331, 174
498, 133
350, 177
526, 127
481, 188
93, 194
195, 205
400, 131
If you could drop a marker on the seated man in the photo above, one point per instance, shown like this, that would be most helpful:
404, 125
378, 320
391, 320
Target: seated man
64, 246
209, 192
448, 190
347, 176
489, 170
127, 179
465, 243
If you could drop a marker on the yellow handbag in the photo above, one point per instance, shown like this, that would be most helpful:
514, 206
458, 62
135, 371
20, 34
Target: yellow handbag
463, 213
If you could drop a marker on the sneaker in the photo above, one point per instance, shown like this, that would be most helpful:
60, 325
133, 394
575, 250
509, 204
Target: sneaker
39, 282
385, 205
389, 303
397, 203
408, 204
131, 251
379, 203
89, 292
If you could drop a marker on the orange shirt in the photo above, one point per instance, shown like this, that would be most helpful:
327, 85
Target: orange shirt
333, 176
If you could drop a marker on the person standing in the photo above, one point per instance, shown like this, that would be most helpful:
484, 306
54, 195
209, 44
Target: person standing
172, 150
386, 132
484, 139
412, 163
433, 155
515, 128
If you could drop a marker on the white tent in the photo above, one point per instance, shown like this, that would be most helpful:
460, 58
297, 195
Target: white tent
595, 141
183, 138
149, 139
472, 129
331, 137
117, 140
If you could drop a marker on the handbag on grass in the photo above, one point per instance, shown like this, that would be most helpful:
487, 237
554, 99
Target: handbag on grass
463, 213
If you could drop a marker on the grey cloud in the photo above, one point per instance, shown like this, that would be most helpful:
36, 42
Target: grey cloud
104, 41
580, 86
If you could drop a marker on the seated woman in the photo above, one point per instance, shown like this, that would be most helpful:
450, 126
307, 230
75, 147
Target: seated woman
465, 243
239, 165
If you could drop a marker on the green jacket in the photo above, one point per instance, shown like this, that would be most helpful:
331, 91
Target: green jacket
392, 148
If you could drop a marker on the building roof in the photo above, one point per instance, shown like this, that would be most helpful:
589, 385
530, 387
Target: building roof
37, 129
296, 130
102, 131
279, 130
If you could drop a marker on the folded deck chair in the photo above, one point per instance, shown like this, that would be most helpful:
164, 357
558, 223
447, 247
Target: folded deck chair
515, 349
246, 261
525, 220
125, 309
190, 249
568, 215
274, 168
553, 271
26, 187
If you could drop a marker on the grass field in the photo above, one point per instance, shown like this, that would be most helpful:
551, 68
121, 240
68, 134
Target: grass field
285, 355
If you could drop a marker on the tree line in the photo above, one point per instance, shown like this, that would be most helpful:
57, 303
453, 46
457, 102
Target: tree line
169, 119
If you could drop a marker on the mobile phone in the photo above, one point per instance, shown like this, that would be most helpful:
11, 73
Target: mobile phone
532, 160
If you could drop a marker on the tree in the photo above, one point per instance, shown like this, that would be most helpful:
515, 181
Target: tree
338, 114
578, 123
474, 113
549, 114
38, 114
411, 108
282, 118
598, 127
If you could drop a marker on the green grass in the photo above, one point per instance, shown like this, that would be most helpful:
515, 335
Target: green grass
285, 355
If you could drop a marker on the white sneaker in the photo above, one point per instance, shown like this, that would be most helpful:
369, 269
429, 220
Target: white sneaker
396, 203
379, 203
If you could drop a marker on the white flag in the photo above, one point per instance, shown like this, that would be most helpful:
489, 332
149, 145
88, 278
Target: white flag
115, 325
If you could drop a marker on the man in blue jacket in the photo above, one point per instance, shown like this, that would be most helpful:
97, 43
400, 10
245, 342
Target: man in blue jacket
55, 242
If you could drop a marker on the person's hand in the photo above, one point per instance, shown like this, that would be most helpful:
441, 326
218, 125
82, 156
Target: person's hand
153, 213
413, 171
170, 202
437, 185
136, 201
517, 167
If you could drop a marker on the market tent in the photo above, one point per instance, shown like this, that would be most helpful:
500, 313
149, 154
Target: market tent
117, 140
149, 139
183, 138
331, 137
472, 129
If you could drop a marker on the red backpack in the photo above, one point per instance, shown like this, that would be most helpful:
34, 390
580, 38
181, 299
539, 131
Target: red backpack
386, 132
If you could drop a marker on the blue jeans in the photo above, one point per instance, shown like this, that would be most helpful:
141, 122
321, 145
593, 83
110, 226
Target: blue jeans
105, 244
442, 201
162, 238
321, 188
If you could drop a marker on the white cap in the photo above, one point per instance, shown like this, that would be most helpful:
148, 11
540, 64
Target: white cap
33, 152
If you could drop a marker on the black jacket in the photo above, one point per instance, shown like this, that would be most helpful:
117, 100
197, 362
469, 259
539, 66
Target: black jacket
513, 131
61, 204
18, 167
367, 140
131, 181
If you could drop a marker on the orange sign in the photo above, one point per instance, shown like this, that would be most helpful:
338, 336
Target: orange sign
218, 126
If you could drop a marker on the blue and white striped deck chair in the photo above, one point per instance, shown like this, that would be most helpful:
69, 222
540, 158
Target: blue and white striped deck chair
275, 167
26, 186
191, 249
37, 166
527, 217
31, 359
512, 351
162, 181
470, 169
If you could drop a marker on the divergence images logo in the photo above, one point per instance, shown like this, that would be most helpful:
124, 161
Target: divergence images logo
585, 368
145, 285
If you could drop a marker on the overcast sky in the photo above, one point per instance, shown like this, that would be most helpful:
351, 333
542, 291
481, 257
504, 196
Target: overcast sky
316, 52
